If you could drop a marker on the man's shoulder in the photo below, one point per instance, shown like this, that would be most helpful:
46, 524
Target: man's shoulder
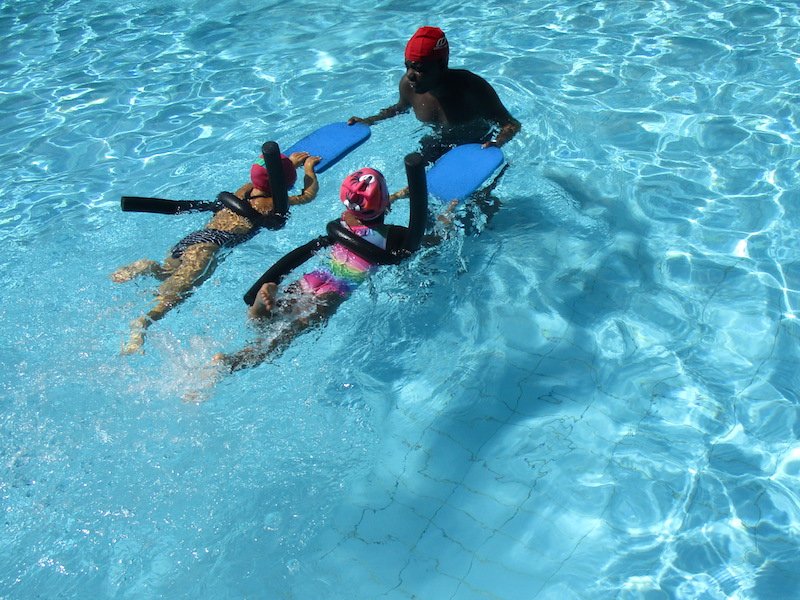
465, 79
464, 74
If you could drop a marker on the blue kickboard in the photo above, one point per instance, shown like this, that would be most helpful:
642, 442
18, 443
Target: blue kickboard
332, 142
462, 170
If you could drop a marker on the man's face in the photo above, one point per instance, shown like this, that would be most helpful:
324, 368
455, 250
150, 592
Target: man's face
423, 76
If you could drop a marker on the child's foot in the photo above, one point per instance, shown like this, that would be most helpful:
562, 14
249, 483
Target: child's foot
265, 300
134, 344
135, 269
209, 375
136, 340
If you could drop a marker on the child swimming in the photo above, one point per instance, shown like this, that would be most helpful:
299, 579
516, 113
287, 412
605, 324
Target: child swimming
193, 259
359, 241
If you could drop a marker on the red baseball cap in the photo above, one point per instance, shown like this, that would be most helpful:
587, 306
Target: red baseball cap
260, 177
427, 44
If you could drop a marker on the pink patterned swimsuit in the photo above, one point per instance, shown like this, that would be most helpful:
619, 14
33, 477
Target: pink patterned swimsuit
346, 269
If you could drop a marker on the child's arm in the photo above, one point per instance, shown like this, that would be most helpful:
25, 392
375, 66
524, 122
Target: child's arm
310, 183
398, 194
247, 187
444, 225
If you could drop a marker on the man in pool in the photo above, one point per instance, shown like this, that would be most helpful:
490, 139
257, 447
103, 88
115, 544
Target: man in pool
461, 106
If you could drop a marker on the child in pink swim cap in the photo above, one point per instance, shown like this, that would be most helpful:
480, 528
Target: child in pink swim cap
193, 259
364, 193
315, 296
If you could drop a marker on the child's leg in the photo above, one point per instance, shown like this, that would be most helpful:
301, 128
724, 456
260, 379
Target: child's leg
140, 267
323, 306
196, 265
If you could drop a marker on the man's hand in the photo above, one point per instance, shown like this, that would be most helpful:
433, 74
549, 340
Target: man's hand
354, 120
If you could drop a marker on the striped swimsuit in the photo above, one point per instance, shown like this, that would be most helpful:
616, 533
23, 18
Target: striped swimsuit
224, 239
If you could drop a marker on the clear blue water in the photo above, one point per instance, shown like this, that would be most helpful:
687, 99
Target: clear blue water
596, 397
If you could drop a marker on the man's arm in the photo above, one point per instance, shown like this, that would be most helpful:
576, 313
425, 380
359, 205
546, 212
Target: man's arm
493, 109
400, 107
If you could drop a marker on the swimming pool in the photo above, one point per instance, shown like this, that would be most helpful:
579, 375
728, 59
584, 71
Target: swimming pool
593, 398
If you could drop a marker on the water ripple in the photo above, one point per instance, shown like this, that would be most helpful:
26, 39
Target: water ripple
615, 414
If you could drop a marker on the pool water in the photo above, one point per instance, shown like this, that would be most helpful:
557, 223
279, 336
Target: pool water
594, 397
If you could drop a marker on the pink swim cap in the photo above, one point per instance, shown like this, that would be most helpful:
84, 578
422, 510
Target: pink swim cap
428, 44
365, 194
260, 177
